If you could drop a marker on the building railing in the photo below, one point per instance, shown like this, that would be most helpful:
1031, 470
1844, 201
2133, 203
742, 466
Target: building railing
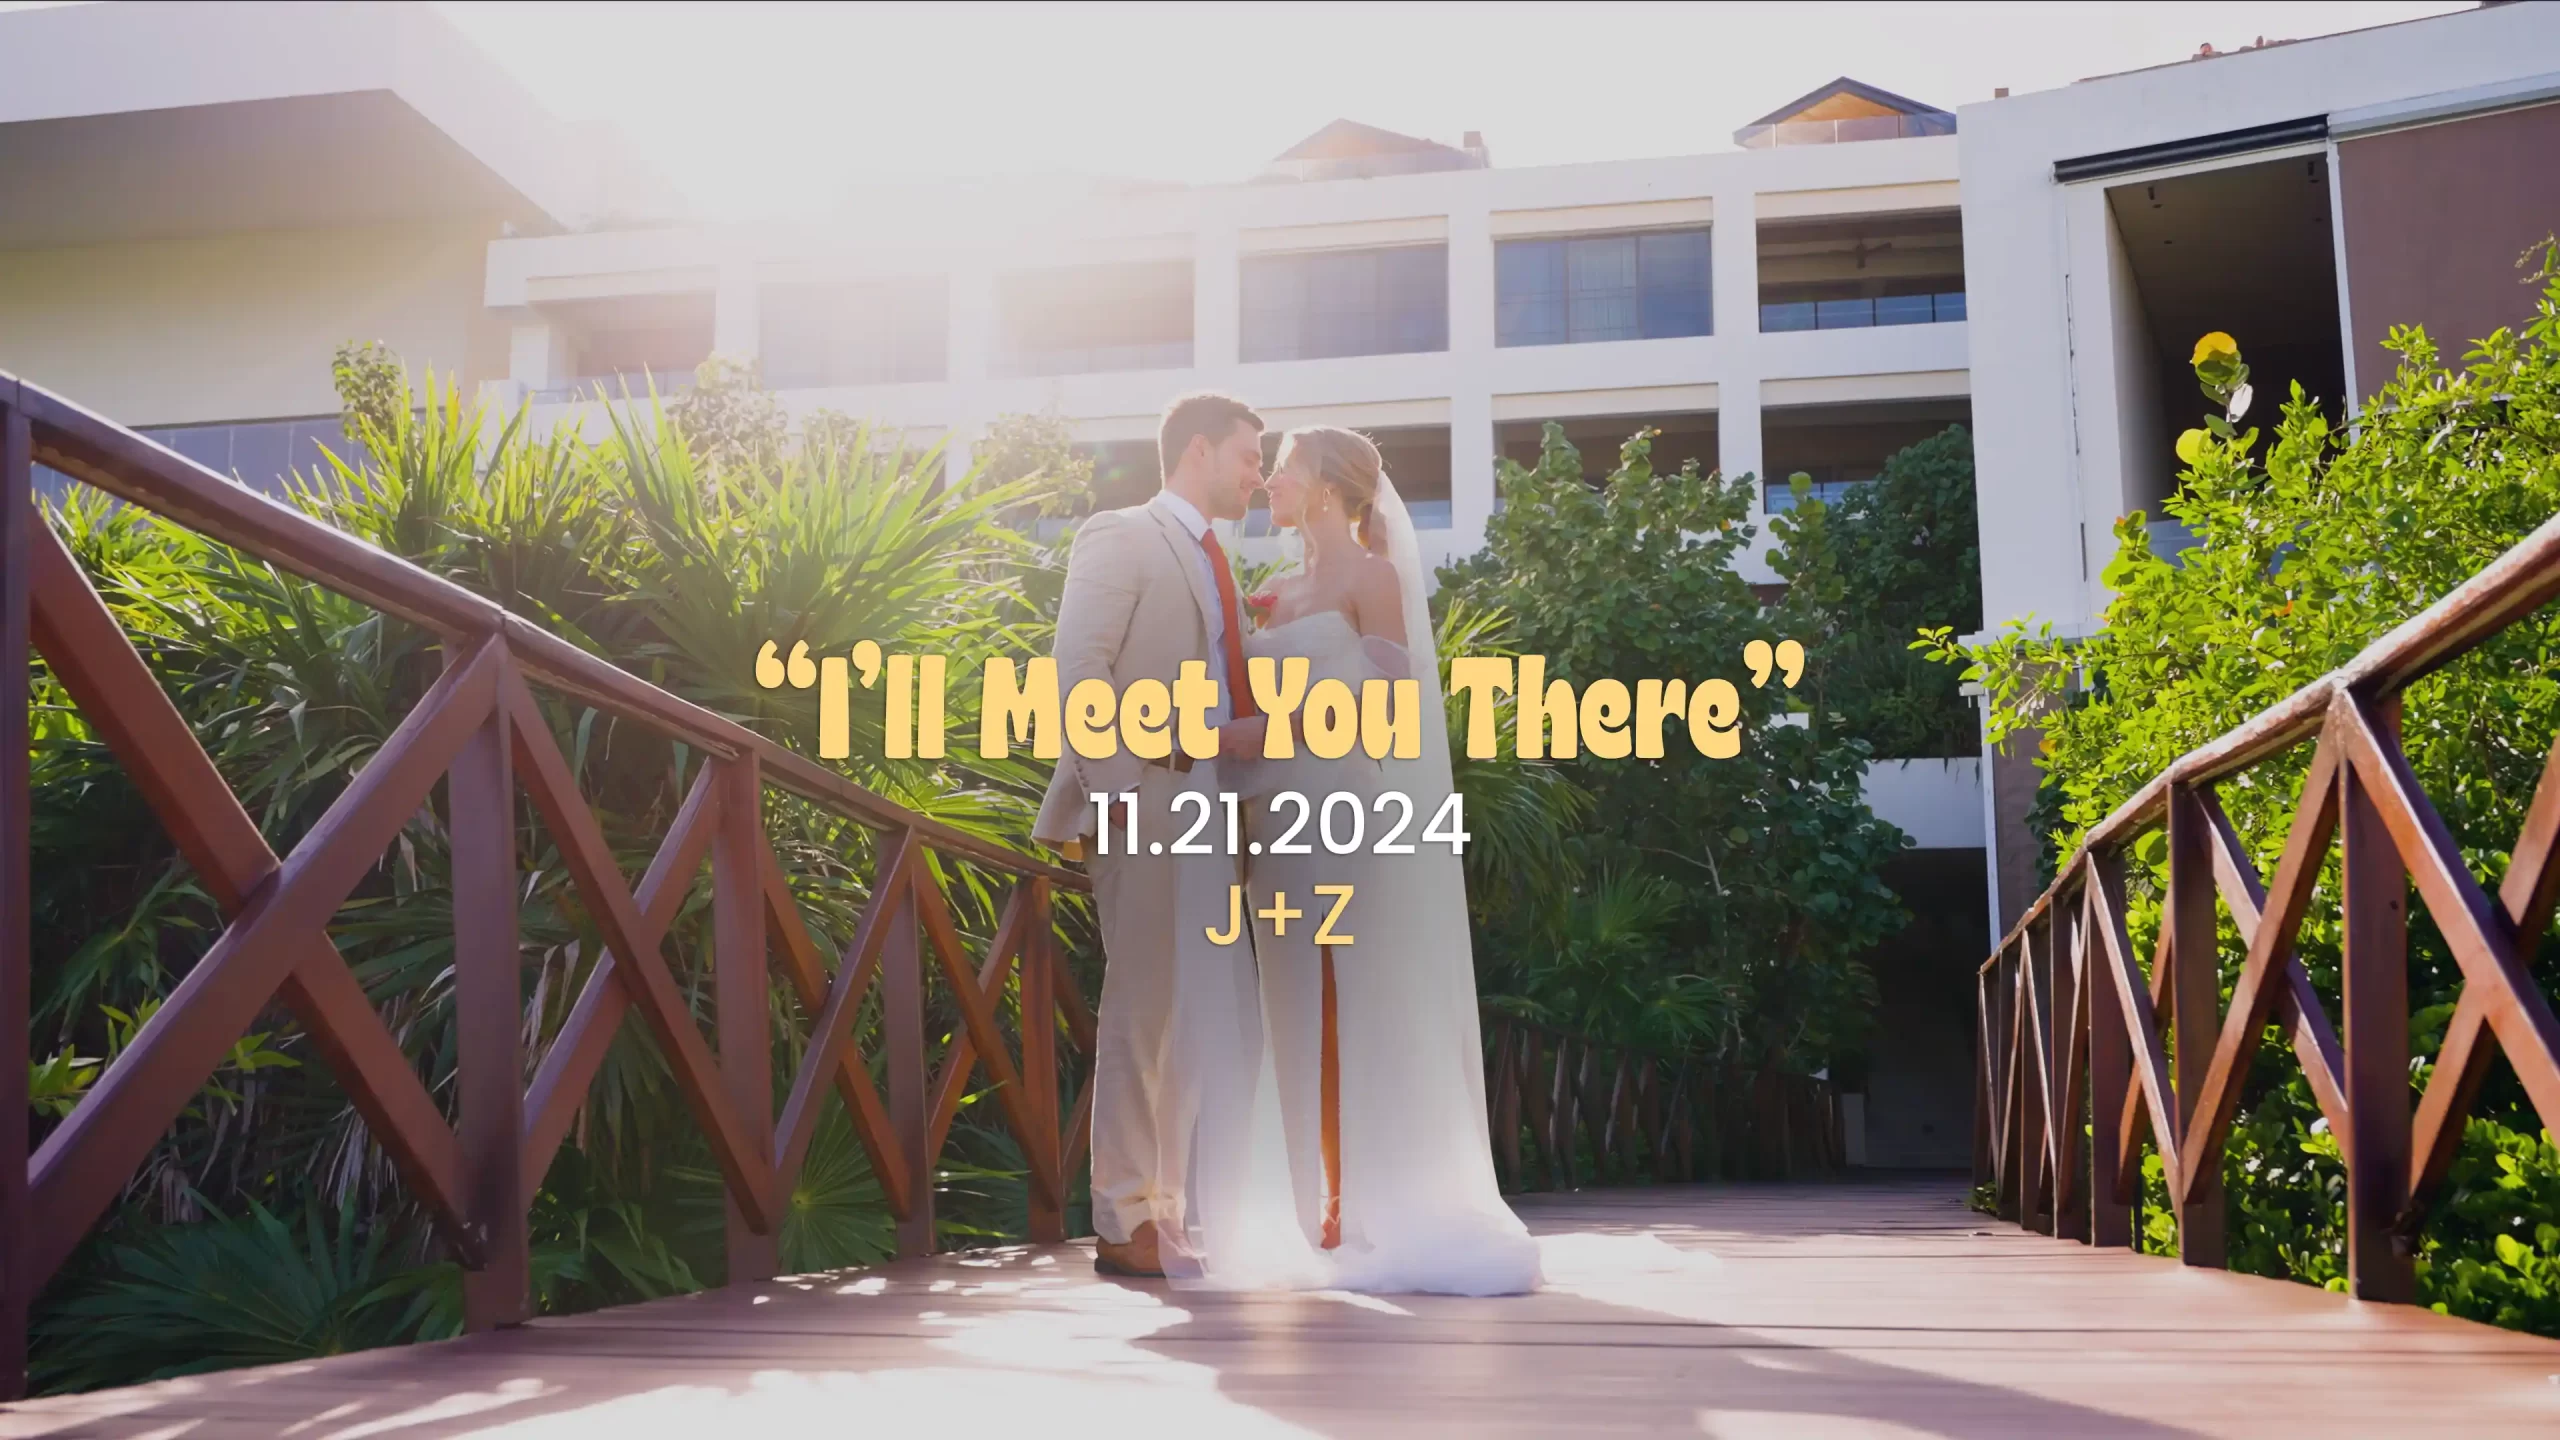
1941, 308
1842, 132
1566, 1111
479, 730
2075, 1039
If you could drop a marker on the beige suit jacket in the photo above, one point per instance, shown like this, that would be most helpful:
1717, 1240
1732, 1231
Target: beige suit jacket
1136, 607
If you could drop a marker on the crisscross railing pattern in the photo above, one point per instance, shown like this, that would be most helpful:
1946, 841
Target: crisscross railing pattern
2069, 1023
478, 730
1554, 1098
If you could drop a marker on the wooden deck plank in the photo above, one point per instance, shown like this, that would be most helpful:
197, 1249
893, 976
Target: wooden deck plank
1879, 1309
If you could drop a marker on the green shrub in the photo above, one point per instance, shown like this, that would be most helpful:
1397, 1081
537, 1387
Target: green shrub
2304, 554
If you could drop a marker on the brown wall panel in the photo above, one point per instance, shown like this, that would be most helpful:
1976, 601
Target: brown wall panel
2436, 216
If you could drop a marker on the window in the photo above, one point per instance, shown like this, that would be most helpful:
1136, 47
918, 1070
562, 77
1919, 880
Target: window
1860, 313
1860, 271
1094, 318
1602, 287
889, 332
1831, 485
1416, 457
261, 454
1331, 303
630, 343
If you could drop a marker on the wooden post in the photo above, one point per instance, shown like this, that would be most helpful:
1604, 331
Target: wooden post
2375, 976
2195, 1013
488, 1000
2062, 1045
1047, 1222
17, 555
742, 989
2035, 1088
1982, 1171
2110, 1065
2013, 1072
902, 1024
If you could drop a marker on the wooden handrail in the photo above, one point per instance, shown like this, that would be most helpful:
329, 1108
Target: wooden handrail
2062, 1003
142, 472
481, 732
1639, 1113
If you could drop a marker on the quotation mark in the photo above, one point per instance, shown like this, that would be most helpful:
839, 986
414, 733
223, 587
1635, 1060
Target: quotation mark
1787, 656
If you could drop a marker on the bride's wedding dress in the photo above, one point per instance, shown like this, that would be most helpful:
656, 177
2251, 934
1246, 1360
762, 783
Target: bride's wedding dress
1420, 1209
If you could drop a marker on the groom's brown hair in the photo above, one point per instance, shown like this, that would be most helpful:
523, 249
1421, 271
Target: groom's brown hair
1208, 415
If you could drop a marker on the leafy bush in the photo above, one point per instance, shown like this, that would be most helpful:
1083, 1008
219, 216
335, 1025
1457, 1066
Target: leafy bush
1910, 558
2301, 557
1712, 907
671, 559
245, 1290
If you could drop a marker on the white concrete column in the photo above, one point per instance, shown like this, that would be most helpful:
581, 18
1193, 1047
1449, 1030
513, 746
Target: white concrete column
538, 355
1217, 299
735, 304
1736, 278
1471, 310
1471, 276
971, 340
1738, 427
1470, 468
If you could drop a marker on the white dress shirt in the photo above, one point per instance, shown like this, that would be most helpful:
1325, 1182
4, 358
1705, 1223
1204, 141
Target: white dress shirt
1196, 525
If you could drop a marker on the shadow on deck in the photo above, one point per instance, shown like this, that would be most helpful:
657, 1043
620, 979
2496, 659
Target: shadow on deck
1876, 1309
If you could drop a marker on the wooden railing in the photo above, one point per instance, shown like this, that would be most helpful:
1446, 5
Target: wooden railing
1568, 1111
478, 729
2070, 1026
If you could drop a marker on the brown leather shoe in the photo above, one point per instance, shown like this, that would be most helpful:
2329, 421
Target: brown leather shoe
1135, 1260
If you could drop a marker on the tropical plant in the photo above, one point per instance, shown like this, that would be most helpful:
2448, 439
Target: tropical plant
1909, 557
674, 560
2301, 554
251, 1289
1767, 861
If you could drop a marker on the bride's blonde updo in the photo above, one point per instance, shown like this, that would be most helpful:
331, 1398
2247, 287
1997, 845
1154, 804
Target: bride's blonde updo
1346, 462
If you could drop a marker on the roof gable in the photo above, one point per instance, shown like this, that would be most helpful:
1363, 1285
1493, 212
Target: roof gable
1843, 99
1351, 140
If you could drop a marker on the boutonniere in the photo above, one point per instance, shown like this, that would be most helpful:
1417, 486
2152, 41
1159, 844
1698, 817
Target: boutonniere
1257, 609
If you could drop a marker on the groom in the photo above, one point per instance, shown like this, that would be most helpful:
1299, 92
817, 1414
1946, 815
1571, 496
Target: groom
1148, 587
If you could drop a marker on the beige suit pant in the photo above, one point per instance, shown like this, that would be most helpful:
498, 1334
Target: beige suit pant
1140, 1143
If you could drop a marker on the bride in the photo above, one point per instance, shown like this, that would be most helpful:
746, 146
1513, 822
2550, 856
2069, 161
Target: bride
1338, 1135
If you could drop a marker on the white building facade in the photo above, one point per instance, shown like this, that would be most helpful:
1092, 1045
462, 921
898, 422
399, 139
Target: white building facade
1203, 259
2303, 197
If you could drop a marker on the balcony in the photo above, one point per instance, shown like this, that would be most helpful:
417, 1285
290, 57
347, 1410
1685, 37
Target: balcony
1863, 313
1094, 359
1094, 319
1842, 132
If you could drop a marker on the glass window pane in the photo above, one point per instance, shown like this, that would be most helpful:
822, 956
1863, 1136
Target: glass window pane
1904, 310
1275, 301
1343, 311
1950, 305
310, 464
1794, 315
1673, 272
1600, 288
791, 335
207, 445
1529, 290
261, 453
1843, 314
1413, 288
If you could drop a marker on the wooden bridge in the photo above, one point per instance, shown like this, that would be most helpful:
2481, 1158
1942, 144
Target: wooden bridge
1885, 1309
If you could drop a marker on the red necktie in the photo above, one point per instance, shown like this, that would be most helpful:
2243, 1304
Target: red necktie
1225, 575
